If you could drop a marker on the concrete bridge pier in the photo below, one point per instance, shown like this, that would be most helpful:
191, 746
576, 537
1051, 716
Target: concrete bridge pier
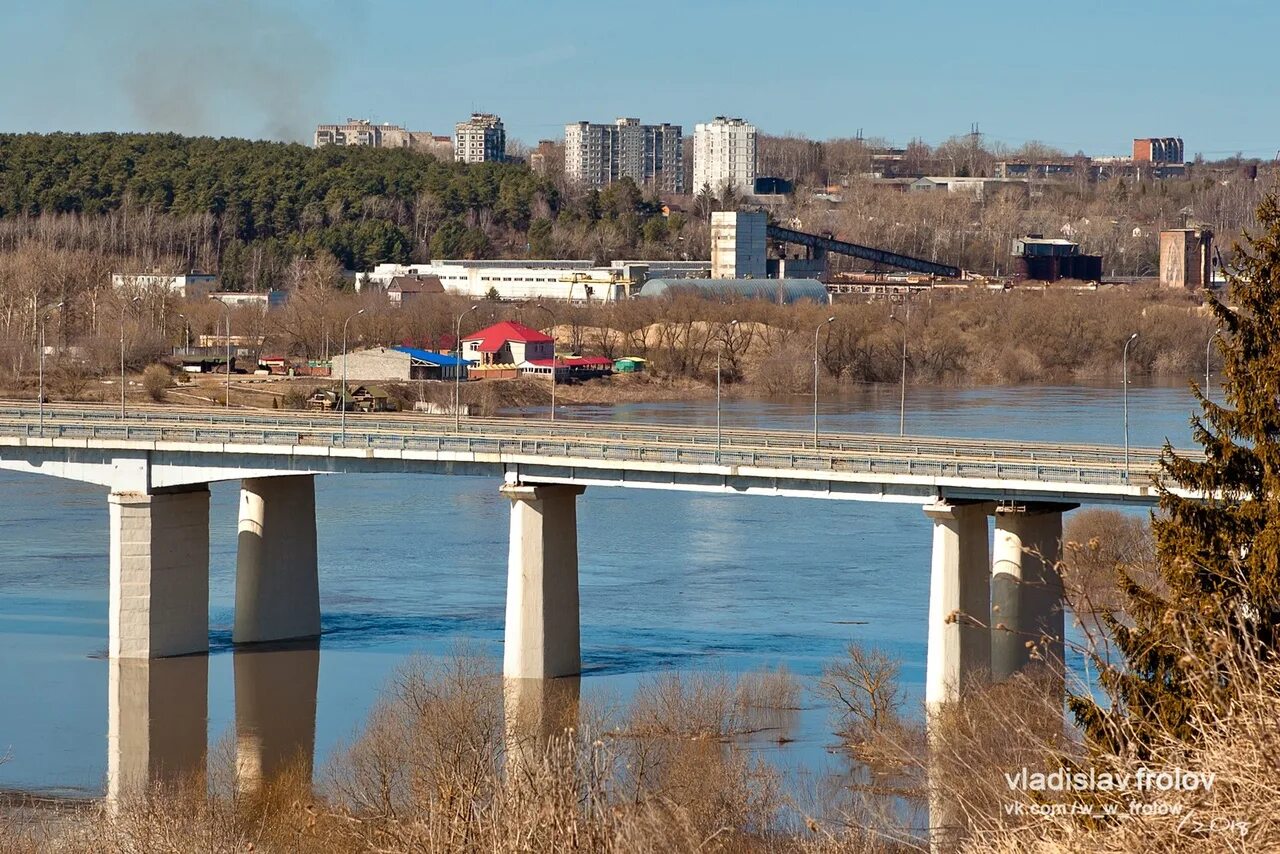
275, 713
157, 713
959, 600
1026, 588
159, 600
277, 585
542, 632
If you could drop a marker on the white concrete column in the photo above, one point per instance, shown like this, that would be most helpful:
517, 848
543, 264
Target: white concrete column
542, 639
277, 586
959, 600
159, 573
1026, 589
157, 713
275, 712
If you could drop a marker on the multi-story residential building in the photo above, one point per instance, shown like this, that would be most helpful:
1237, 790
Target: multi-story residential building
365, 132
479, 139
596, 155
1166, 149
724, 156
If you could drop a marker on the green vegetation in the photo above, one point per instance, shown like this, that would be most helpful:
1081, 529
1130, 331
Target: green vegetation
246, 208
1216, 601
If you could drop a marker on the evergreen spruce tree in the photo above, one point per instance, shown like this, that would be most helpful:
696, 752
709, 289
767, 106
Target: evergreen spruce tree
1217, 601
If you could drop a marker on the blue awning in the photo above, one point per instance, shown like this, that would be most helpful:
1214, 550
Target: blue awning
440, 359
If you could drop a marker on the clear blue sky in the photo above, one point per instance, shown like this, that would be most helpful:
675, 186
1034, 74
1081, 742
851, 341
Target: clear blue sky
1090, 74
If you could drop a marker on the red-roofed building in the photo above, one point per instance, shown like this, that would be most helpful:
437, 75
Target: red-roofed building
507, 343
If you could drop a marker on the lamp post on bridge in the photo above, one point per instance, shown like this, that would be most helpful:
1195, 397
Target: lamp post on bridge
123, 305
719, 352
553, 358
1207, 345
831, 319
226, 314
457, 370
44, 315
1124, 367
342, 392
902, 399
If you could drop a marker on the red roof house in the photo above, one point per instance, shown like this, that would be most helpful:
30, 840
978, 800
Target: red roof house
507, 343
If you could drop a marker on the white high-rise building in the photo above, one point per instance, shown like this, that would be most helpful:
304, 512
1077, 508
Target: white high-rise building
724, 155
651, 155
479, 139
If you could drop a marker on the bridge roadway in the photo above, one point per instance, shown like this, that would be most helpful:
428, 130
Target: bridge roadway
176, 447
995, 600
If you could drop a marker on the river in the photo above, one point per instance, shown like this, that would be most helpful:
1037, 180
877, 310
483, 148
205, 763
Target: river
669, 581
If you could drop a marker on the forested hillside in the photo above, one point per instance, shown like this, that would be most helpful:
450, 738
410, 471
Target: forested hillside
362, 205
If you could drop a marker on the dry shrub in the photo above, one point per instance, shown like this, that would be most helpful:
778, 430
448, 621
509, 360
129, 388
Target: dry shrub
1239, 745
155, 379
776, 688
866, 691
1099, 548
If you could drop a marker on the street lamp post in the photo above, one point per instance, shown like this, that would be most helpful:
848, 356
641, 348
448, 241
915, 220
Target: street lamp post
226, 314
1207, 345
1124, 367
902, 398
40, 383
186, 332
719, 352
815, 378
342, 392
123, 305
554, 360
457, 371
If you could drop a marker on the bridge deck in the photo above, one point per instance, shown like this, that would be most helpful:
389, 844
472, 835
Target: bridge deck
183, 446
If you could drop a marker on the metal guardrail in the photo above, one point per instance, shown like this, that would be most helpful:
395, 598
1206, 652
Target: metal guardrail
431, 425
577, 440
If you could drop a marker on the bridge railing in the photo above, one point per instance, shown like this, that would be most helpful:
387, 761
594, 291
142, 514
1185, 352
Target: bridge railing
955, 448
617, 449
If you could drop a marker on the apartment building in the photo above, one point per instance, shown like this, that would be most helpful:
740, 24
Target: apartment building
596, 155
365, 132
480, 139
724, 155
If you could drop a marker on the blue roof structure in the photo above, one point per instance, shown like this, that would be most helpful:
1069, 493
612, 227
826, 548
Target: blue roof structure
441, 359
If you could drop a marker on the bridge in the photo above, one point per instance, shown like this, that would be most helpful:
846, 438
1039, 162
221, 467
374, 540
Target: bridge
158, 462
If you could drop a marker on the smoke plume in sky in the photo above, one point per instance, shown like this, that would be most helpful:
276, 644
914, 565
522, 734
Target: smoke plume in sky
191, 65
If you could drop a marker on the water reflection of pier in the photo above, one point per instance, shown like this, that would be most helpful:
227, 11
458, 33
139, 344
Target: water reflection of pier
158, 718
157, 732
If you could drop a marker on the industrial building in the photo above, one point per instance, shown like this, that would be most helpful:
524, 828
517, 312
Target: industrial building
739, 247
724, 156
366, 133
559, 279
397, 364
596, 155
480, 139
1048, 260
1186, 258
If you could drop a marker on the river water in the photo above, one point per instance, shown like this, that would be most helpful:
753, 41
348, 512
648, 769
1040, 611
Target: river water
669, 581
